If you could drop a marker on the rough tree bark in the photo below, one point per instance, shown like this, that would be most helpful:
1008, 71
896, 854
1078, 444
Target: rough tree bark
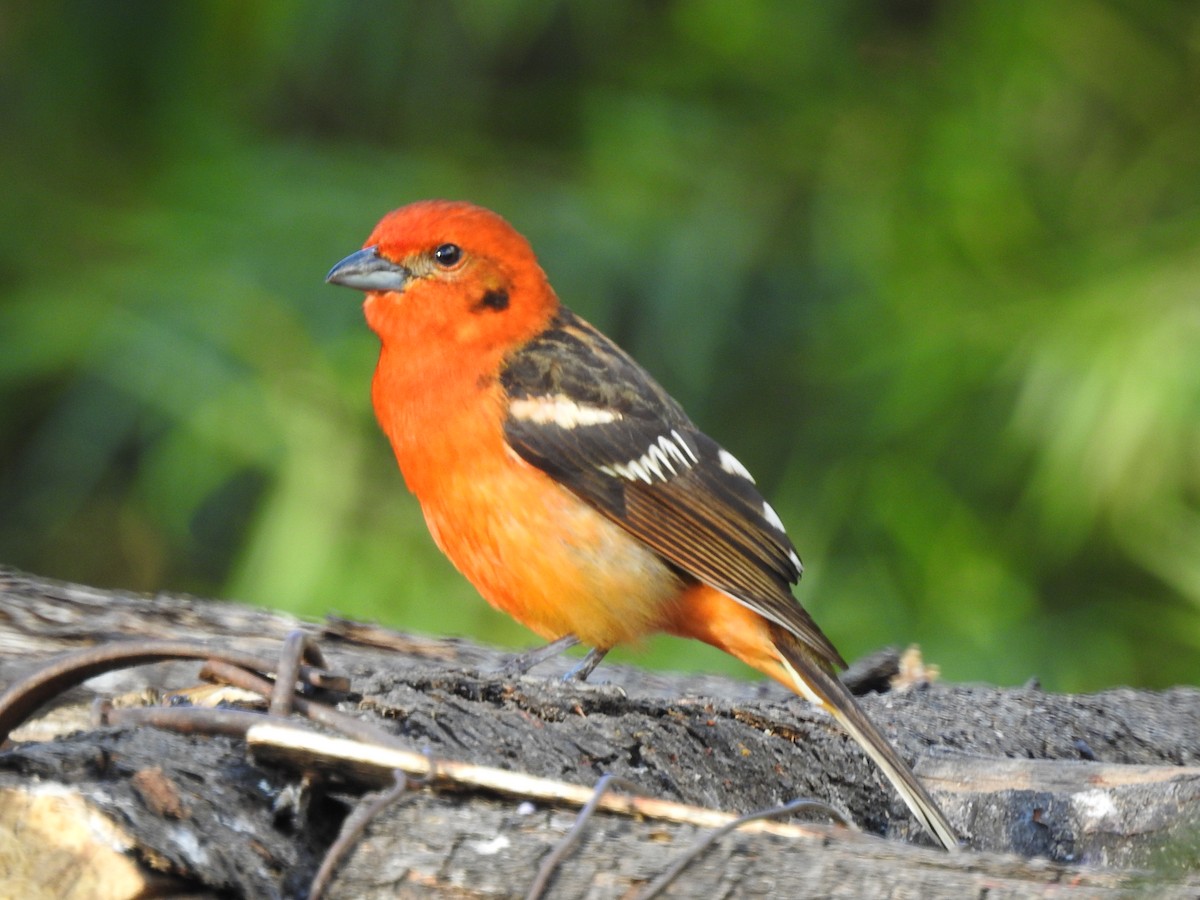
1080, 796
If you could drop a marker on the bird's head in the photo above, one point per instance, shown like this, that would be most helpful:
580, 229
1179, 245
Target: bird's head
440, 269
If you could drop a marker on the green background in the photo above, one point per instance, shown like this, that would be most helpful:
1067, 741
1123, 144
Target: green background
930, 269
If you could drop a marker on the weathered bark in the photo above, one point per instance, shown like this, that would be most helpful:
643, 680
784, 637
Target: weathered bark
1068, 795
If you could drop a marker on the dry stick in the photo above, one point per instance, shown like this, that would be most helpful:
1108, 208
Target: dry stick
302, 748
352, 831
559, 853
659, 884
23, 698
296, 646
184, 719
358, 729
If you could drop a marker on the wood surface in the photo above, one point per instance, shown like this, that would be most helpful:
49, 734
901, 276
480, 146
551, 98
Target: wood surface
1055, 795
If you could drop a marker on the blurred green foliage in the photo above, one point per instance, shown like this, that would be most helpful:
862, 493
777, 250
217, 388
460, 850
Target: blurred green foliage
930, 268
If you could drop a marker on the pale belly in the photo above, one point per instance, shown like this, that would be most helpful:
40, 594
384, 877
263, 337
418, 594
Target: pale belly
556, 565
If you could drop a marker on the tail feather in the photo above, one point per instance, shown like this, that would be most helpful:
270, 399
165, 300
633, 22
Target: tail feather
824, 689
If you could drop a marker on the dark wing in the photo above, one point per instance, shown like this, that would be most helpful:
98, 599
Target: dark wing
581, 410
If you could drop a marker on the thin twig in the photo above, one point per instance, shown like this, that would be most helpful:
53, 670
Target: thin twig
352, 831
185, 719
24, 697
294, 648
301, 748
659, 884
359, 729
542, 880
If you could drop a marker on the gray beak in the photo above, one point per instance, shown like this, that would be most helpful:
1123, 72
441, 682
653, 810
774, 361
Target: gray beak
366, 270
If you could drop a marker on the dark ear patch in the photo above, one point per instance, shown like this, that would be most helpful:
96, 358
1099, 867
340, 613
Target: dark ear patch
496, 299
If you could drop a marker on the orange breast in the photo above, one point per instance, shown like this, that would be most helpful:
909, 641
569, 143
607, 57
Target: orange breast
530, 547
538, 553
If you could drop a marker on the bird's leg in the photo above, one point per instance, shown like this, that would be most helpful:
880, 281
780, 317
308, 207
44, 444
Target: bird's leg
523, 662
582, 669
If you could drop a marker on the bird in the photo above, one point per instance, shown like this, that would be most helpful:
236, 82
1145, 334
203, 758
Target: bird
565, 483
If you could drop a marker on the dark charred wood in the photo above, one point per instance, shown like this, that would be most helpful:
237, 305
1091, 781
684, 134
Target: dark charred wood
1090, 795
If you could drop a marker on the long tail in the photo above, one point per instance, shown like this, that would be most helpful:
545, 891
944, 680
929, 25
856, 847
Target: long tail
825, 690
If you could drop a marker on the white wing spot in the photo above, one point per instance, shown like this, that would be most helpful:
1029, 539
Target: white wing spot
561, 411
655, 459
730, 464
671, 447
684, 444
772, 517
661, 461
637, 469
630, 471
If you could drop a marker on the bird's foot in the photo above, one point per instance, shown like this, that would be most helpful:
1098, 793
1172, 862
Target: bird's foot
523, 662
582, 669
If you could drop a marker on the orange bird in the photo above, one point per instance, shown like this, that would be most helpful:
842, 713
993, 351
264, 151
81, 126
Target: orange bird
564, 482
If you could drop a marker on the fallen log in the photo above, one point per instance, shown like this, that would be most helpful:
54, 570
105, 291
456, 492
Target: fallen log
1064, 795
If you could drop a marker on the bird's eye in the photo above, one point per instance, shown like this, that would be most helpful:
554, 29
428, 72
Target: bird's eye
447, 255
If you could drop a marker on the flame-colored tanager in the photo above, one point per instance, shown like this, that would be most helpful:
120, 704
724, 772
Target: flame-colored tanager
564, 482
